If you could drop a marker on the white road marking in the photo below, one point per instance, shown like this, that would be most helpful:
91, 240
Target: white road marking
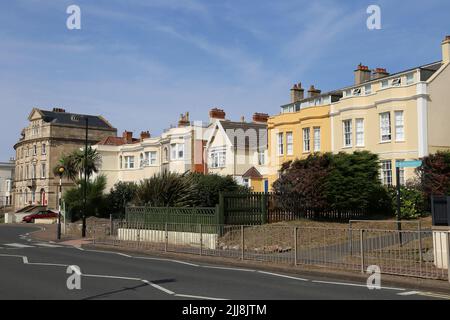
408, 293
197, 297
165, 260
110, 277
47, 245
158, 287
48, 264
354, 285
228, 268
17, 245
111, 252
282, 276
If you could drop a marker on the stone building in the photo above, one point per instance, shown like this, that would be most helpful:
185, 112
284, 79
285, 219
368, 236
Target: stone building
49, 136
6, 183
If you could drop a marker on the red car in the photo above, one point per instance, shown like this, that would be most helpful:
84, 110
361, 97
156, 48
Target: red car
40, 215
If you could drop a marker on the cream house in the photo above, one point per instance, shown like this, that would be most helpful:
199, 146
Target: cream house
238, 149
131, 159
401, 116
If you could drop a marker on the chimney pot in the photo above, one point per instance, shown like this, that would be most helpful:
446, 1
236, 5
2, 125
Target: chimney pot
127, 137
216, 113
145, 135
297, 92
362, 74
379, 73
59, 110
260, 117
313, 92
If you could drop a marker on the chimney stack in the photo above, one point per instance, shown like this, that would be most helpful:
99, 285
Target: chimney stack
242, 119
313, 92
379, 73
184, 120
215, 114
127, 137
297, 93
446, 50
362, 74
59, 110
260, 117
145, 135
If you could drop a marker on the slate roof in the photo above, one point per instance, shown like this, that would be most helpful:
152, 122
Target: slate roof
73, 119
238, 131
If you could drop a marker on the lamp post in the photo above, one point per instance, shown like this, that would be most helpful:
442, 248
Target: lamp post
83, 230
61, 170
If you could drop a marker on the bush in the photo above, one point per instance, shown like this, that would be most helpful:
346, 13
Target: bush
208, 187
95, 200
411, 202
327, 181
120, 196
166, 190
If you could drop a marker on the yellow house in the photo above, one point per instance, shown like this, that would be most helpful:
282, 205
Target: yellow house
302, 128
401, 116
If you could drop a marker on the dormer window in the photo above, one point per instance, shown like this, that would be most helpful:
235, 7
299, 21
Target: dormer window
368, 89
397, 82
410, 78
384, 84
357, 92
348, 93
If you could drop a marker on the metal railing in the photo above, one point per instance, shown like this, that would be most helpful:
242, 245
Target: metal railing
412, 253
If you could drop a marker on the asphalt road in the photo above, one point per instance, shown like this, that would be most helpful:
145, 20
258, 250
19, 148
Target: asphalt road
38, 270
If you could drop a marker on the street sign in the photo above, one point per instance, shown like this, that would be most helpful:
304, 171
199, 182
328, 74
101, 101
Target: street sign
408, 164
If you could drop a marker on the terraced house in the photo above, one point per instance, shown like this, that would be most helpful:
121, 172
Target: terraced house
301, 128
50, 135
401, 116
178, 149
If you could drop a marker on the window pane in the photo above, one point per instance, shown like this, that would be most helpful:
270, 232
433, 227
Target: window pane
399, 126
385, 126
316, 139
306, 140
289, 143
360, 132
347, 126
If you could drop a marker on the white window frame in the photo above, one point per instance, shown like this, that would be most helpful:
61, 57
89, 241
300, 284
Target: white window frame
385, 127
261, 158
347, 131
386, 172
129, 162
368, 89
384, 84
317, 139
217, 158
176, 151
280, 138
410, 78
306, 139
289, 143
399, 125
359, 132
357, 92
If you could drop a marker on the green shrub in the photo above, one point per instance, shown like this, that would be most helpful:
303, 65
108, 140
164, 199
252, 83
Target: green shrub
411, 202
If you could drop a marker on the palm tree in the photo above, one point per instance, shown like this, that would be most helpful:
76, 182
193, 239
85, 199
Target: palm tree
74, 163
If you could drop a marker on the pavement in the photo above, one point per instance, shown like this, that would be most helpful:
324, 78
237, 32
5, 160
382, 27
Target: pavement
37, 269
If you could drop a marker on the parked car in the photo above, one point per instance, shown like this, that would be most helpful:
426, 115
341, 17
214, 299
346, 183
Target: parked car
47, 214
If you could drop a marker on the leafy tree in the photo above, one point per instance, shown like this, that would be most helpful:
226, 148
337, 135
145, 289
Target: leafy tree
304, 181
95, 199
121, 195
435, 173
412, 202
327, 181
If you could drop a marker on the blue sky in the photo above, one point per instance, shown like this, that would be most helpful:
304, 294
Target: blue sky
140, 63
